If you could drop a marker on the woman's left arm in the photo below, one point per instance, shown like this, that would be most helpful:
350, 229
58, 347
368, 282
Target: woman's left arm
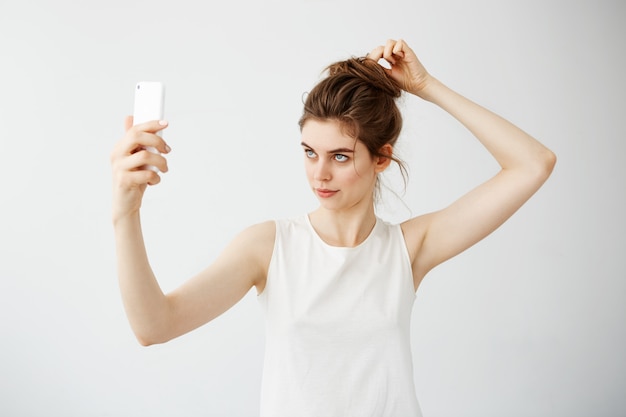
525, 165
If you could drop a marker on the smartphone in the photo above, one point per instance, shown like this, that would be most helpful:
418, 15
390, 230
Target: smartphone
149, 105
149, 101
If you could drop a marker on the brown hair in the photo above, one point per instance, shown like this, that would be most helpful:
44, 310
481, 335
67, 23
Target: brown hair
360, 95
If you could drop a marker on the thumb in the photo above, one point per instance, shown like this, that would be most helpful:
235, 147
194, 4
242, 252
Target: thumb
128, 122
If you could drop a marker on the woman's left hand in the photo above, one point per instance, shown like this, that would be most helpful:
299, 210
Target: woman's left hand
406, 69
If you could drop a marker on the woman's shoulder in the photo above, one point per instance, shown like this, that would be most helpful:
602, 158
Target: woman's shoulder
260, 234
265, 231
255, 244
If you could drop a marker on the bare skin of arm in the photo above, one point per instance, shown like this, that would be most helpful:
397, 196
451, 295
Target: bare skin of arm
525, 165
156, 317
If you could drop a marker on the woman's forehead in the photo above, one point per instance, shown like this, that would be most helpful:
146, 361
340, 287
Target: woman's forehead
326, 135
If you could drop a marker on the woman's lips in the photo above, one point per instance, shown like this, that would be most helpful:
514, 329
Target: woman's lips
324, 193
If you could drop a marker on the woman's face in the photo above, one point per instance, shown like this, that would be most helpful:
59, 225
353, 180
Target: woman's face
340, 169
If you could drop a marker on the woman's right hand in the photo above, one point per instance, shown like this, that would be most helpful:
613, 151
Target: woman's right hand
130, 163
406, 68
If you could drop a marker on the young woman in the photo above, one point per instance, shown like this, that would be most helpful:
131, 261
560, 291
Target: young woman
337, 285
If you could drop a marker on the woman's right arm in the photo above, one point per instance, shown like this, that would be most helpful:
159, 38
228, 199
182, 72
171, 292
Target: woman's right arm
154, 316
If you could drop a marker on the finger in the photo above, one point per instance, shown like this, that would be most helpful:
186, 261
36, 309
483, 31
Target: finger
153, 142
377, 53
137, 160
399, 48
148, 176
153, 178
131, 179
140, 136
128, 123
388, 51
139, 139
142, 160
152, 126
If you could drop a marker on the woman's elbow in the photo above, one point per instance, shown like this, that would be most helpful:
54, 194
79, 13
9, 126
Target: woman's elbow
541, 165
146, 341
143, 341
151, 336
548, 161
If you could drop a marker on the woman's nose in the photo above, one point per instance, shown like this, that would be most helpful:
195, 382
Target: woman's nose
322, 172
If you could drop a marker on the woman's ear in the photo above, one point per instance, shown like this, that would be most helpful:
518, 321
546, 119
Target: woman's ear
382, 162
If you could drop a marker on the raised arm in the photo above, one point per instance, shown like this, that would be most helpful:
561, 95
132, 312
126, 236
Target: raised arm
525, 165
154, 316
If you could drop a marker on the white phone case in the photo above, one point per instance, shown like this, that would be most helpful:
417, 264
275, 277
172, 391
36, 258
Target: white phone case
149, 105
149, 101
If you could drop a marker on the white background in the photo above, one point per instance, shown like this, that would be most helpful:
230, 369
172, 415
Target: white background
530, 322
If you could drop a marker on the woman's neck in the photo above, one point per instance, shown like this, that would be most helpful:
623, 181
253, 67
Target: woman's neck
343, 228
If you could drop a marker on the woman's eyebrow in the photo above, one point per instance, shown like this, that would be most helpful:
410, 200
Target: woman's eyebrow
338, 150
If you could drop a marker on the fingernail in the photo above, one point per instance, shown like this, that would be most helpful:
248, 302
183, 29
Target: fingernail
167, 148
163, 122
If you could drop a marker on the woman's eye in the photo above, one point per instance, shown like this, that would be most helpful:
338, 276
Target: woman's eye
309, 153
341, 158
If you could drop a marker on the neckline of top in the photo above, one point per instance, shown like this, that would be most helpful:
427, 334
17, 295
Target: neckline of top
340, 248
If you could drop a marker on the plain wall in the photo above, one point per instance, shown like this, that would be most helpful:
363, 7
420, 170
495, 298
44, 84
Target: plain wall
529, 322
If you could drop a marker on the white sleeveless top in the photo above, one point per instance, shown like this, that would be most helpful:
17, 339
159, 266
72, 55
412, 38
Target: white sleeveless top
337, 326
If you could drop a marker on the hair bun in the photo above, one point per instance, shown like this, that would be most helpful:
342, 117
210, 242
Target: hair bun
369, 71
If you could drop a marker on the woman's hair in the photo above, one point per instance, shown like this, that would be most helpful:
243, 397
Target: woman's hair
359, 95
